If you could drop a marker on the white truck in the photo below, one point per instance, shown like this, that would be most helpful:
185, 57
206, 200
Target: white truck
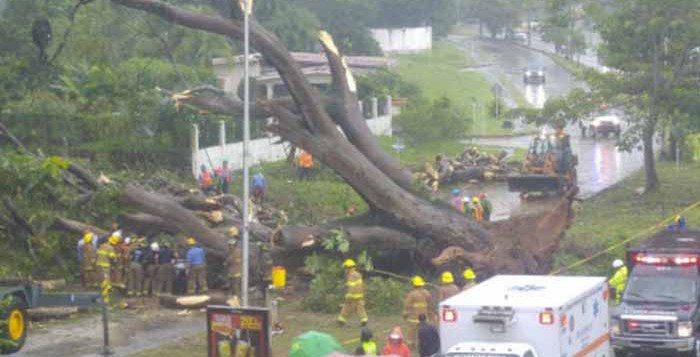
527, 316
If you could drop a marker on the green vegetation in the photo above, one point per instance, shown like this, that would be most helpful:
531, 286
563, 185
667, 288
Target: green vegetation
440, 73
620, 213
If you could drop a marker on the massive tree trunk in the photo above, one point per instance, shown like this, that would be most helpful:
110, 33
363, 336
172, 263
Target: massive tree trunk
315, 131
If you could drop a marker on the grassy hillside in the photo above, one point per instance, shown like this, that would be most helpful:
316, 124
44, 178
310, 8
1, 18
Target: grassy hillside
620, 213
440, 73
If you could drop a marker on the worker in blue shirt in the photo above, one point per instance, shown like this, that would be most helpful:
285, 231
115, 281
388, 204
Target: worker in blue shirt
259, 187
196, 260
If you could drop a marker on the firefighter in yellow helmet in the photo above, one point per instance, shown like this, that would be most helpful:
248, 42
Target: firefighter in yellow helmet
233, 262
469, 279
418, 302
88, 262
354, 294
106, 259
447, 287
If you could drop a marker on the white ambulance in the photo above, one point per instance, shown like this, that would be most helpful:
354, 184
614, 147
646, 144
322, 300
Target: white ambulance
528, 316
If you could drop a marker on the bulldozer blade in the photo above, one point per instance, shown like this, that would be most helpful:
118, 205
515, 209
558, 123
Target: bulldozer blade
533, 183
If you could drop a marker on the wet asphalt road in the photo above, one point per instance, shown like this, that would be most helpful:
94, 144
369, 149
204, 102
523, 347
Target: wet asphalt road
601, 164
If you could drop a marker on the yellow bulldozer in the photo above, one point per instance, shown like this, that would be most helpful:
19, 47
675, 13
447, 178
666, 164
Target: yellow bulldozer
549, 167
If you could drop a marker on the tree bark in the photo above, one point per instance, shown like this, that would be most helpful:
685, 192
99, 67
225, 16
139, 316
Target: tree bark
651, 177
171, 211
78, 228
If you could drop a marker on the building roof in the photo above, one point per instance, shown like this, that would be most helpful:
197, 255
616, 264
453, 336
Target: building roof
316, 59
308, 71
526, 291
308, 58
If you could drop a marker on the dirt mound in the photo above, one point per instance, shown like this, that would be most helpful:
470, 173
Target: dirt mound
521, 244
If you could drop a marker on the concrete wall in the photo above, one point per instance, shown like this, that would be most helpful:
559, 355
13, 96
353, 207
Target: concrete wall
265, 149
404, 40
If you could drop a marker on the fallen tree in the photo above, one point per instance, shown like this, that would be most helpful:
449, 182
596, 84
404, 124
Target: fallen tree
312, 122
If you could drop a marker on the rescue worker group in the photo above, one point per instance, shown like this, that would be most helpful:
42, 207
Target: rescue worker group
139, 267
418, 303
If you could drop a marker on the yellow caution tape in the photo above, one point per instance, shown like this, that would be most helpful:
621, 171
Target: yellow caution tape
642, 234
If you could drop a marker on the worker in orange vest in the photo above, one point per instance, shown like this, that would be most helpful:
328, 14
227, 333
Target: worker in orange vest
306, 164
205, 180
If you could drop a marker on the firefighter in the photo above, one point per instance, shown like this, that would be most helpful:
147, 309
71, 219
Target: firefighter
619, 279
354, 295
88, 267
233, 262
106, 259
135, 279
448, 288
418, 301
469, 279
166, 271
196, 261
121, 269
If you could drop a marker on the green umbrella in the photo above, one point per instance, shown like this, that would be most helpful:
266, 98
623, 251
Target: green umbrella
314, 344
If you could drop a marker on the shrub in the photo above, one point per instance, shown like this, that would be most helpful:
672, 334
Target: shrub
439, 120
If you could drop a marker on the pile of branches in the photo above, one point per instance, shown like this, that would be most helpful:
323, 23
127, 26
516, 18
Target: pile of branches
472, 166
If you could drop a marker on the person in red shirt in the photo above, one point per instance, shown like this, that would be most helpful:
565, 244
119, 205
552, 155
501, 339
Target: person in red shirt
395, 345
225, 176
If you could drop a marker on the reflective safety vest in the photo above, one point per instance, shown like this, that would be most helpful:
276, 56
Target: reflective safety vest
306, 160
369, 348
205, 179
619, 280
105, 255
354, 284
478, 212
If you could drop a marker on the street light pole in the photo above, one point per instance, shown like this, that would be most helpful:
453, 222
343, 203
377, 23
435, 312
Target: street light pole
246, 139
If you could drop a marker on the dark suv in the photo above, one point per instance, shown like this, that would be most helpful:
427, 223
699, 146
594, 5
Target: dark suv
659, 308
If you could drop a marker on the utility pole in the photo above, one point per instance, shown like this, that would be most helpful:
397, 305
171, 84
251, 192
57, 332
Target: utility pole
247, 7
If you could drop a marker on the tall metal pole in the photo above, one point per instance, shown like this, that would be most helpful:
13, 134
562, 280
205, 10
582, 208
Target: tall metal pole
246, 139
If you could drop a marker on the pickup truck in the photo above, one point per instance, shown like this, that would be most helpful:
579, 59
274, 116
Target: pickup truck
17, 296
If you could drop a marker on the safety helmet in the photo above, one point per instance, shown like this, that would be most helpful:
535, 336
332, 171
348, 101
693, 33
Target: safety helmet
233, 231
87, 238
469, 274
232, 242
475, 199
113, 240
617, 263
118, 234
127, 241
456, 191
155, 247
677, 218
191, 241
349, 263
447, 278
418, 281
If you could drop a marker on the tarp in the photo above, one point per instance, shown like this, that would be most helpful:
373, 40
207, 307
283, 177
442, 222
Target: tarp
314, 344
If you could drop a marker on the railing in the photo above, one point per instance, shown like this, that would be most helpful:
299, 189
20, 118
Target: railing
268, 149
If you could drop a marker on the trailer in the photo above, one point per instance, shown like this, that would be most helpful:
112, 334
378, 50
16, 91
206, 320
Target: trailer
17, 296
528, 316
